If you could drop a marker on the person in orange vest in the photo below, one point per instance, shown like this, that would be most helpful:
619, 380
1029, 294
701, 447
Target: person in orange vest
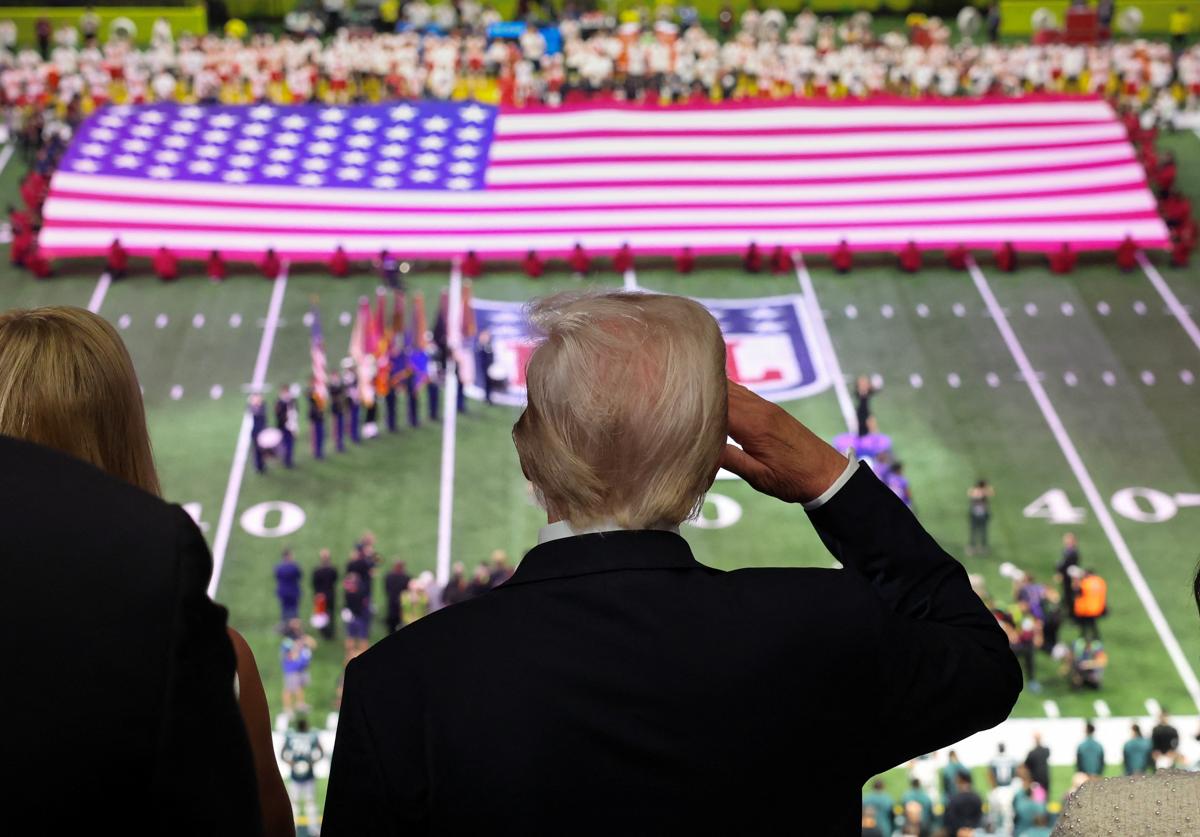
1062, 260
956, 257
118, 259
23, 244
842, 259
781, 261
910, 258
533, 265
215, 267
1006, 257
623, 260
472, 267
685, 262
1091, 601
38, 263
752, 259
1127, 254
339, 263
579, 261
166, 266
270, 265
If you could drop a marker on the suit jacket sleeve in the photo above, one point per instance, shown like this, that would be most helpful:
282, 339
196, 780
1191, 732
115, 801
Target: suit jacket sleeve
205, 773
360, 801
947, 669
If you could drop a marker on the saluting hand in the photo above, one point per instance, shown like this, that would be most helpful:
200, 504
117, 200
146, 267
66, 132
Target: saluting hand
779, 456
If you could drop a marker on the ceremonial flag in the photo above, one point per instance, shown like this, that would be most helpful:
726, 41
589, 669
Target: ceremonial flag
362, 350
436, 179
320, 376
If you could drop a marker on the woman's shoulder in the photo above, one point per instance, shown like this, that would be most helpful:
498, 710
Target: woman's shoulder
1167, 803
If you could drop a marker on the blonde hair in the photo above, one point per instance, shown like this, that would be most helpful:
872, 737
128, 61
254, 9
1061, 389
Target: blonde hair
626, 415
67, 382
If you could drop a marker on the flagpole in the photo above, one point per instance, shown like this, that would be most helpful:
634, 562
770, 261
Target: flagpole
449, 424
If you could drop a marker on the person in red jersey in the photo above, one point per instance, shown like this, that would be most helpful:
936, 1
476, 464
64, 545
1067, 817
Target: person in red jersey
685, 262
271, 266
166, 266
1149, 156
533, 265
1175, 208
1127, 254
472, 267
623, 260
579, 261
38, 263
910, 258
33, 192
1006, 257
17, 219
842, 258
1181, 252
956, 257
1164, 176
118, 259
1062, 260
752, 259
339, 263
215, 267
23, 244
781, 261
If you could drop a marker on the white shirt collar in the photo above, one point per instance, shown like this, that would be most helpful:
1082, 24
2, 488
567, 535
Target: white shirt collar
563, 529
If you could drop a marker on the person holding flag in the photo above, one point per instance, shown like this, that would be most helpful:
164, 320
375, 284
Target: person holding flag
318, 389
395, 355
416, 363
362, 348
381, 351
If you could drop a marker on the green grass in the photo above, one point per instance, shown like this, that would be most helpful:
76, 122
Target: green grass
1129, 433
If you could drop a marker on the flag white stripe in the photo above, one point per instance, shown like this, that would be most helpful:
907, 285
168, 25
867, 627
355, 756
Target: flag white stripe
80, 209
486, 242
668, 170
754, 146
603, 194
941, 115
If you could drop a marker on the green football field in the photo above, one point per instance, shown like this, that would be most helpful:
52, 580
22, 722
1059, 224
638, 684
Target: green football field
1104, 435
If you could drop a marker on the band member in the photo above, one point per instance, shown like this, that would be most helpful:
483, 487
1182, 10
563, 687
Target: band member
288, 423
956, 257
271, 265
623, 260
1127, 254
1062, 261
258, 423
215, 267
752, 259
118, 260
841, 258
472, 267
781, 261
533, 266
166, 266
685, 262
910, 258
316, 417
339, 406
579, 261
339, 263
1006, 258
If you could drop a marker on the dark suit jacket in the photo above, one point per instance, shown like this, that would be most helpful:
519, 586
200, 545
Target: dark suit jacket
616, 686
117, 705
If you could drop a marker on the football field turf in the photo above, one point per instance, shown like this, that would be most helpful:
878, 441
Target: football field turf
1105, 434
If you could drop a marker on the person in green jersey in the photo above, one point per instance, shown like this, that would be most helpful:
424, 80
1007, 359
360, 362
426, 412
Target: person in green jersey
1137, 752
881, 801
1089, 757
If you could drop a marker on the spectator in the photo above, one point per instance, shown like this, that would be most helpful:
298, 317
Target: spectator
414, 601
394, 584
456, 587
481, 582
950, 773
591, 614
500, 570
1089, 756
1136, 753
287, 587
158, 655
324, 585
357, 615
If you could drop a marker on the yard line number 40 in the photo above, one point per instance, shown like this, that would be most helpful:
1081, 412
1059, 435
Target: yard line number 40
1137, 503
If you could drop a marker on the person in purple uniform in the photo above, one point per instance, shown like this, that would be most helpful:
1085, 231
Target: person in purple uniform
895, 480
287, 586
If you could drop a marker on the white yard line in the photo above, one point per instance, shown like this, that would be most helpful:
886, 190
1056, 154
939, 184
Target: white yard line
449, 427
1164, 290
6, 155
242, 451
826, 344
101, 291
631, 282
1099, 507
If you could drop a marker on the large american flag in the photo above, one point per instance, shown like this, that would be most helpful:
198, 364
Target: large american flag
436, 179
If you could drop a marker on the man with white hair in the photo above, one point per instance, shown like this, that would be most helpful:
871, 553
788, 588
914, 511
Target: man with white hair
630, 689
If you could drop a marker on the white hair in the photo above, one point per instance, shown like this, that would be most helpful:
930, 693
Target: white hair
626, 415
